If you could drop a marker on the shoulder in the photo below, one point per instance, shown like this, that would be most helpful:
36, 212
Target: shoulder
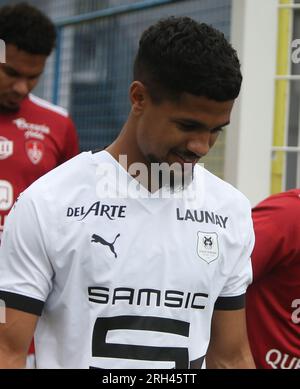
222, 193
57, 184
282, 205
223, 199
40, 209
276, 225
48, 108
278, 215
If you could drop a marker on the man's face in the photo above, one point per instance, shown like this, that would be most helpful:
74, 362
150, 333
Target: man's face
18, 76
182, 131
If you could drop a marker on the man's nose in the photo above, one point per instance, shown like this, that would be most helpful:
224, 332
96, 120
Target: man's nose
200, 143
21, 87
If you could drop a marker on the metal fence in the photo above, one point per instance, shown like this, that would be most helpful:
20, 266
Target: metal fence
91, 70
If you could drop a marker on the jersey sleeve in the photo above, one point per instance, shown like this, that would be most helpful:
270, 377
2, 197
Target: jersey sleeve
25, 269
71, 145
277, 238
233, 293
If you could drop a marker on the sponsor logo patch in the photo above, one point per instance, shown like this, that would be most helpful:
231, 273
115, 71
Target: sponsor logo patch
32, 130
208, 246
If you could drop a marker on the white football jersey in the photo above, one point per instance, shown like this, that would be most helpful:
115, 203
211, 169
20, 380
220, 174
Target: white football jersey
124, 281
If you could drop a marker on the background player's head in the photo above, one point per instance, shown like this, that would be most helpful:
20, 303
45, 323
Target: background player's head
29, 37
186, 78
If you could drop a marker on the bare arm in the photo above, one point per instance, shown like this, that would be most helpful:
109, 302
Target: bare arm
15, 337
229, 346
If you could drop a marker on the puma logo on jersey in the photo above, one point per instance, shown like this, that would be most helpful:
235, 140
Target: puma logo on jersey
97, 239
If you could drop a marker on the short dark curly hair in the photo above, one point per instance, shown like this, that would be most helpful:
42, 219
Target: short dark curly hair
178, 55
27, 28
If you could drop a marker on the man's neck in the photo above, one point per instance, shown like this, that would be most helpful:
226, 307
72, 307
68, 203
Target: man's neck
126, 145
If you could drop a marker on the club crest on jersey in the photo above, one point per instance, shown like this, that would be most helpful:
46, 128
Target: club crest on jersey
6, 148
208, 246
34, 150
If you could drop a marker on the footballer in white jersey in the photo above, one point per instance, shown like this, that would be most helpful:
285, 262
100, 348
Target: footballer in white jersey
115, 266
129, 282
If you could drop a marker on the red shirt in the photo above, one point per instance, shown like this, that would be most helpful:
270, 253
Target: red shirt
273, 299
34, 140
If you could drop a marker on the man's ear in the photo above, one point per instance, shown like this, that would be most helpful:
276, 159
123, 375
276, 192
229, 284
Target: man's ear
138, 97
